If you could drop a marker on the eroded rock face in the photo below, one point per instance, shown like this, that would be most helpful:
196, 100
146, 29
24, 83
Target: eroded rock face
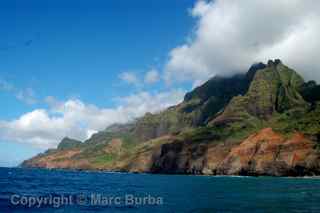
269, 153
263, 153
114, 147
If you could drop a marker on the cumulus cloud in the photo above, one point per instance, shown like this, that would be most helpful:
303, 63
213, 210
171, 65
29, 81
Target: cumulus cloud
152, 76
231, 35
46, 127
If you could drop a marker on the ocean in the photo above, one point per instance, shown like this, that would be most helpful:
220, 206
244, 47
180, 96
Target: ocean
40, 190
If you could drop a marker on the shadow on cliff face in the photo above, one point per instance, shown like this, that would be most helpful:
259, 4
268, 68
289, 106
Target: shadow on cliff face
180, 158
265, 153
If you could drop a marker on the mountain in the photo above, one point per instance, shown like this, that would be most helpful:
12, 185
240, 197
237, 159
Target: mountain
263, 122
68, 143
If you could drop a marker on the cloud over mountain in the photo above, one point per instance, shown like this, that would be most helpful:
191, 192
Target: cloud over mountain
230, 35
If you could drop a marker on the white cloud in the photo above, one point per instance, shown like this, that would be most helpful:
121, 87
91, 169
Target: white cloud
230, 35
130, 78
152, 76
73, 118
138, 104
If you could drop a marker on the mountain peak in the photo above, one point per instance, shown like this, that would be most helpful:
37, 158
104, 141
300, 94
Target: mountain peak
272, 63
253, 69
67, 143
274, 89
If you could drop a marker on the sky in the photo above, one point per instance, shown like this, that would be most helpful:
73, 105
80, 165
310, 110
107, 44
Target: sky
71, 68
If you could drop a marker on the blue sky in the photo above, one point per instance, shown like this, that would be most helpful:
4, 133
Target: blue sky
77, 49
71, 68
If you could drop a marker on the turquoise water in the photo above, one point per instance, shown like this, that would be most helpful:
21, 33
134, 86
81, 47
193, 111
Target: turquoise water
169, 193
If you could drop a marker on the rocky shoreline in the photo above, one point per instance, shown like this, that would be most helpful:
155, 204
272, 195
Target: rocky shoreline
263, 154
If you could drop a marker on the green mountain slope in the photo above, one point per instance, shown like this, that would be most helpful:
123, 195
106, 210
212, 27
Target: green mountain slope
198, 106
273, 90
68, 143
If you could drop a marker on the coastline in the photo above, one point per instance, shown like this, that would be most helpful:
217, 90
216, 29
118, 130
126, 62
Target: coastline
151, 173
